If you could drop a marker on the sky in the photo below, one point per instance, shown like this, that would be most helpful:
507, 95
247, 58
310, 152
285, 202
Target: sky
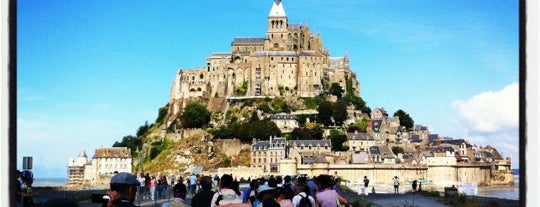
92, 72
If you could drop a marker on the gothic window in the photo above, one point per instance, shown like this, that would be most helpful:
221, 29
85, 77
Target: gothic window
201, 76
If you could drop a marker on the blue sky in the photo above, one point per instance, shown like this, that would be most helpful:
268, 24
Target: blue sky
91, 72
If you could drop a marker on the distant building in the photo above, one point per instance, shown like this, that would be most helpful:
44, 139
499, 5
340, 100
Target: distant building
285, 122
266, 154
289, 60
104, 163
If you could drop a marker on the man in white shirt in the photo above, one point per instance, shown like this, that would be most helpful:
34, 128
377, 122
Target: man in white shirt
301, 190
141, 189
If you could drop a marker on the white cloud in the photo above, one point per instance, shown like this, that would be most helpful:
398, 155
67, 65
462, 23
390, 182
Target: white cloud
492, 118
490, 111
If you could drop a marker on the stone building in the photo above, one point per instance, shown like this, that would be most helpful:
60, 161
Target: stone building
104, 163
266, 154
285, 122
288, 61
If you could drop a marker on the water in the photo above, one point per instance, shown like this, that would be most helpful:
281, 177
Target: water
50, 182
503, 192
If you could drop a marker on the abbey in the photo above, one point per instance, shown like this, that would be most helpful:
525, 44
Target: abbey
288, 61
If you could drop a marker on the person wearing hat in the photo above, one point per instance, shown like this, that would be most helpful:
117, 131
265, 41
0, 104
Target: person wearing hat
179, 194
123, 190
226, 194
265, 194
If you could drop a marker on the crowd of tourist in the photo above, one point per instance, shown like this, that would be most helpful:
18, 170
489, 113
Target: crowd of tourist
206, 191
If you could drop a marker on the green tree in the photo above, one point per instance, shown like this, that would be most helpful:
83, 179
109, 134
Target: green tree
131, 142
339, 112
254, 117
397, 149
360, 126
336, 90
222, 132
337, 138
195, 115
301, 133
325, 113
404, 119
162, 113
143, 129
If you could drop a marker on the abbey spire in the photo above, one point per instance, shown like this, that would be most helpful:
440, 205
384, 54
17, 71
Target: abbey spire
277, 10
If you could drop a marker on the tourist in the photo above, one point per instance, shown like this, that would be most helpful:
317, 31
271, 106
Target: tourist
366, 182
198, 183
302, 191
192, 184
123, 190
265, 195
153, 185
147, 180
179, 194
27, 178
164, 187
141, 188
373, 190
173, 179
284, 196
248, 192
396, 184
312, 185
414, 185
328, 197
252, 195
204, 197
288, 183
216, 182
226, 192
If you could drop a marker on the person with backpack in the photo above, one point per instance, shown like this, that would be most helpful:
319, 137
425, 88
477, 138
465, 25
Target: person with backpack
302, 197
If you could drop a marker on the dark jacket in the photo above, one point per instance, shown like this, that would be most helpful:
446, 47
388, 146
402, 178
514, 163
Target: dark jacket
202, 198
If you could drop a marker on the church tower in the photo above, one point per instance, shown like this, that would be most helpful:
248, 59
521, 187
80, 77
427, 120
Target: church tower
277, 28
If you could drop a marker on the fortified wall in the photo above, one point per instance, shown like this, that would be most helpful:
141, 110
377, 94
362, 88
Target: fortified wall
438, 176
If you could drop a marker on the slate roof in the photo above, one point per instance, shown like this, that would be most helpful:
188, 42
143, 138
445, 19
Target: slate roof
275, 53
82, 154
279, 142
359, 136
310, 142
416, 138
294, 26
248, 40
386, 152
283, 116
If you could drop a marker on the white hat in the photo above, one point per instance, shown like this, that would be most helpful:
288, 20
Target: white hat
263, 188
229, 197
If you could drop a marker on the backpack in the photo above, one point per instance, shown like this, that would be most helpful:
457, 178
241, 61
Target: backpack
304, 201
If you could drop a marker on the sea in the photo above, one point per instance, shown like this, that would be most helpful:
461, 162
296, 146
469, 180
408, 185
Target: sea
498, 192
502, 192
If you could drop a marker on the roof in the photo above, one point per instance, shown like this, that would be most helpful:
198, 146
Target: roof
277, 10
294, 26
320, 159
334, 61
248, 40
386, 152
278, 142
82, 154
112, 152
275, 53
283, 116
309, 142
359, 136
